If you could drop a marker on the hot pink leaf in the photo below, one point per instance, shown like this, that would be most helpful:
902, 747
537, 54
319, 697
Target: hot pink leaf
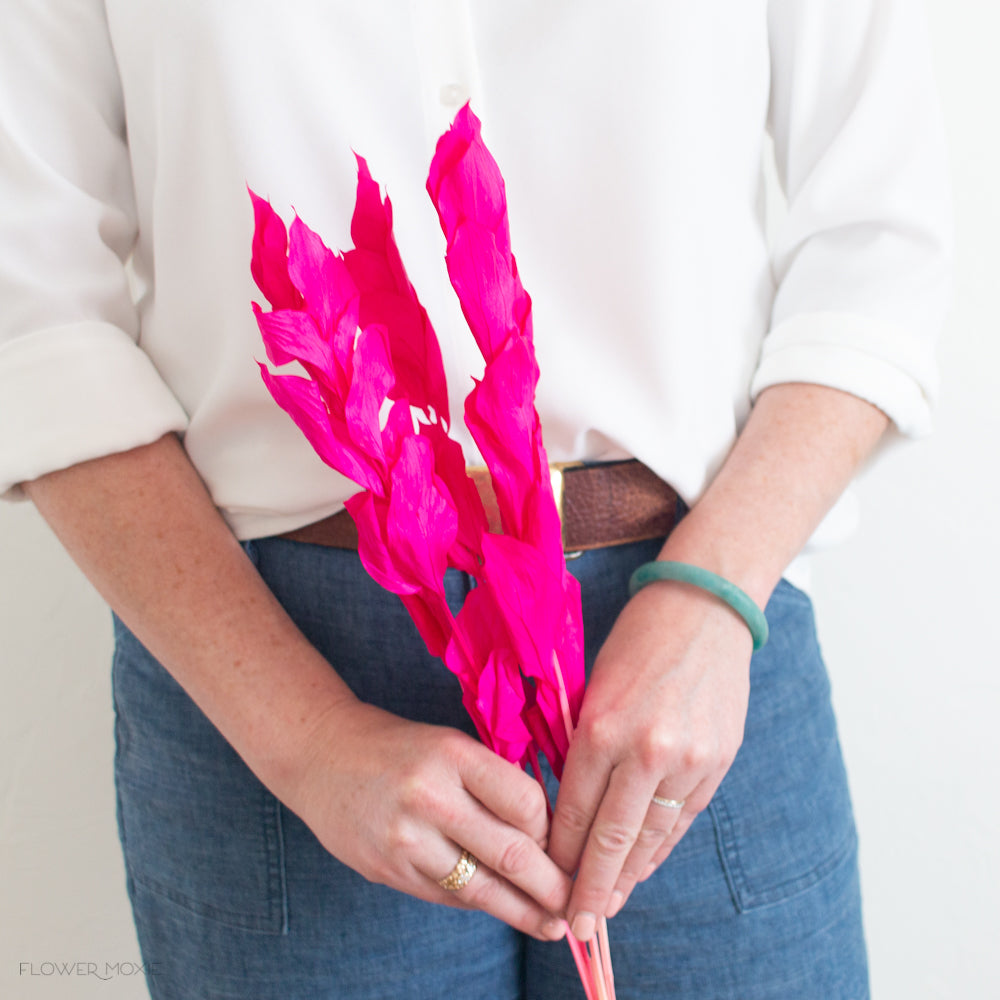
465, 182
372, 378
468, 191
479, 630
500, 697
292, 335
269, 256
482, 627
548, 731
500, 414
409, 333
387, 297
540, 609
527, 593
428, 608
480, 655
422, 524
398, 427
370, 514
449, 463
432, 617
302, 400
542, 528
326, 286
371, 231
492, 299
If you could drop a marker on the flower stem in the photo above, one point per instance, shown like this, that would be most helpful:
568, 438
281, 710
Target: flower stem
583, 966
599, 952
609, 973
563, 699
597, 967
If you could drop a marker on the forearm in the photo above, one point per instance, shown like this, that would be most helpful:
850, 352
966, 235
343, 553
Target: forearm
144, 530
800, 449
389, 797
667, 699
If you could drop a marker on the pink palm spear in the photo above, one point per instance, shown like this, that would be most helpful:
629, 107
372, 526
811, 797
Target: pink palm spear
374, 405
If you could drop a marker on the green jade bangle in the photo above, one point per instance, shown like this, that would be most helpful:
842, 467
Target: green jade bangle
704, 579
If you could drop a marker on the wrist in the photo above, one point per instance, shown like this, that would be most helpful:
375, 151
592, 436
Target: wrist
275, 707
797, 452
733, 597
725, 545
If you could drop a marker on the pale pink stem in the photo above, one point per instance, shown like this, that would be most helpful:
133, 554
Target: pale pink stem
537, 768
563, 700
456, 633
597, 966
609, 972
604, 976
583, 966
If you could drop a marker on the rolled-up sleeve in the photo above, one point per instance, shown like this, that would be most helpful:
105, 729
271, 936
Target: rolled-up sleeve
74, 382
862, 260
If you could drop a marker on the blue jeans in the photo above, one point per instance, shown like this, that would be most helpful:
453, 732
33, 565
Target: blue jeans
234, 898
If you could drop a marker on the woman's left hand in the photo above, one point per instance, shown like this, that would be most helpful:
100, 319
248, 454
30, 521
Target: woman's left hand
666, 704
663, 715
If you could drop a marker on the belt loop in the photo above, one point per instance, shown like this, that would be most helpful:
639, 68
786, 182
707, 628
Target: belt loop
557, 476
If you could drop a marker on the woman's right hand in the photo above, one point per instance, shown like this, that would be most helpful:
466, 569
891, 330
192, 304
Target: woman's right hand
395, 800
398, 801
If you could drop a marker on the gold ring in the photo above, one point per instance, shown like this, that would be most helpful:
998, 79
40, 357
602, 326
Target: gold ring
668, 803
460, 875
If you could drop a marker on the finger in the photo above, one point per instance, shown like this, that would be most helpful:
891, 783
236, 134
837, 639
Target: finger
583, 786
507, 792
475, 886
661, 819
507, 828
696, 803
512, 856
612, 836
666, 848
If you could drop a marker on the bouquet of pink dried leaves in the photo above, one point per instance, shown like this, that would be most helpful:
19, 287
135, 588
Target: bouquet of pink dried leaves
374, 405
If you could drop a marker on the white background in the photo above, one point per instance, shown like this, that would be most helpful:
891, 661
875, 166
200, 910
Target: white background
907, 612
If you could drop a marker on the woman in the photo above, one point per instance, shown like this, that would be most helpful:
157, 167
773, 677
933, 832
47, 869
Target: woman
261, 792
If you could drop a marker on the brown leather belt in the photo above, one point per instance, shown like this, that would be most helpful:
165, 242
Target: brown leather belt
607, 504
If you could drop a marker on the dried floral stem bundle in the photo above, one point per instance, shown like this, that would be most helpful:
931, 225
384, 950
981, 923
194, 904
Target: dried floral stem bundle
374, 405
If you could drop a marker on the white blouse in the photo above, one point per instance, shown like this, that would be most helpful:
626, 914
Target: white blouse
632, 137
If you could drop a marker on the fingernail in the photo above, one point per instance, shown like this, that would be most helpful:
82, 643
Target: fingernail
554, 930
583, 926
617, 902
649, 871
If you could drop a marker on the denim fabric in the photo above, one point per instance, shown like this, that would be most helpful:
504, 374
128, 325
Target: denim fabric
234, 898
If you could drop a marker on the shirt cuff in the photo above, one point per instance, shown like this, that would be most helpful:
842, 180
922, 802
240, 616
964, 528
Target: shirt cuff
73, 393
873, 360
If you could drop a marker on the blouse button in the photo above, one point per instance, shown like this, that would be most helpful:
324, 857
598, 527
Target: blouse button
452, 95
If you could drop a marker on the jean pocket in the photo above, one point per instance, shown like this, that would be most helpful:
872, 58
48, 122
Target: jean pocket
196, 825
782, 815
